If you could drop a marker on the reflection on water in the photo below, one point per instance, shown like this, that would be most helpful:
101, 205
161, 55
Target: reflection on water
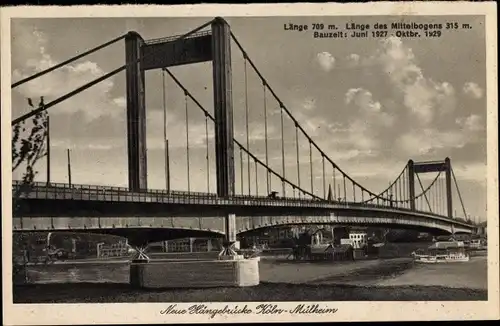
96, 271
399, 271
79, 273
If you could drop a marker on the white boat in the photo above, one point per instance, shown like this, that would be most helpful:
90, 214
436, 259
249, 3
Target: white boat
442, 252
447, 258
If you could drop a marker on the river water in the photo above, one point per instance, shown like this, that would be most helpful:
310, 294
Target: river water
380, 272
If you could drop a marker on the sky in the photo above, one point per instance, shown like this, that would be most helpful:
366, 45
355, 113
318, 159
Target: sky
370, 104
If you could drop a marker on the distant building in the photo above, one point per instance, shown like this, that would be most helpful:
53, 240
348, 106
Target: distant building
482, 230
186, 245
270, 237
359, 238
76, 244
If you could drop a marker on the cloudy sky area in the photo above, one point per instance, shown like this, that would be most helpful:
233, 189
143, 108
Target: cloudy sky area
371, 104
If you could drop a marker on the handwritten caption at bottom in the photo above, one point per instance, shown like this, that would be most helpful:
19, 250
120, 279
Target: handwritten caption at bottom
261, 309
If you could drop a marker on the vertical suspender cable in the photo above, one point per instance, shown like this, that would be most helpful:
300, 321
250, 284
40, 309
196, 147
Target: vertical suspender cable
298, 155
47, 142
436, 197
400, 182
187, 141
256, 180
395, 191
241, 171
401, 196
398, 191
444, 194
208, 157
391, 194
246, 124
311, 166
165, 139
324, 181
334, 185
345, 189
282, 151
440, 195
433, 198
404, 188
268, 181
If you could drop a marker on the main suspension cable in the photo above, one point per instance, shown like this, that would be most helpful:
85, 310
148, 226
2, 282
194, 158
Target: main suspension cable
59, 65
459, 194
266, 166
98, 80
425, 195
264, 81
66, 96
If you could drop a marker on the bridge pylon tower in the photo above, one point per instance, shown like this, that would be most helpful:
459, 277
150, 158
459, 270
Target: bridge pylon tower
415, 168
194, 47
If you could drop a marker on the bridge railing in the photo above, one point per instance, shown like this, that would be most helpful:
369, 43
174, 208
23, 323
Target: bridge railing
42, 187
43, 190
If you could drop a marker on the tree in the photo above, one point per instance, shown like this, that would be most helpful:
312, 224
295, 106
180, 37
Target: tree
28, 146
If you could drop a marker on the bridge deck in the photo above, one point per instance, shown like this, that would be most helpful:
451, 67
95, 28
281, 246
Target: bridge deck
78, 192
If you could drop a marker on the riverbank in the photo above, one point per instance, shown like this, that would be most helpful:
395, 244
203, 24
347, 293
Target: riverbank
121, 293
370, 280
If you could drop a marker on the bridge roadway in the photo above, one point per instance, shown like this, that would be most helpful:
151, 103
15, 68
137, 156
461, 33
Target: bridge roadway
118, 211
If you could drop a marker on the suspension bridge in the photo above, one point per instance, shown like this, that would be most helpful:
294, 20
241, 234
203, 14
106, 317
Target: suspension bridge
252, 191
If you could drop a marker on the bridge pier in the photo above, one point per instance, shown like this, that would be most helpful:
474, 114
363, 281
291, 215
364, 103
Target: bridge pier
230, 269
141, 256
228, 252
